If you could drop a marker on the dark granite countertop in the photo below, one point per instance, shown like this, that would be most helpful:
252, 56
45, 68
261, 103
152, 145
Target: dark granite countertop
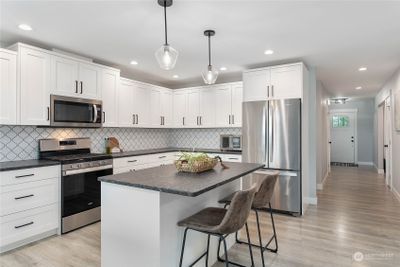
168, 180
170, 149
25, 164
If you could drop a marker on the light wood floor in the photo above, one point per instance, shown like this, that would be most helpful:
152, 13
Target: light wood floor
355, 213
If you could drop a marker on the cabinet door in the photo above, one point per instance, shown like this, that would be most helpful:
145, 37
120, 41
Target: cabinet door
179, 108
110, 80
125, 104
255, 85
35, 87
207, 107
141, 108
166, 107
286, 82
8, 87
155, 107
89, 81
237, 99
193, 108
64, 76
223, 106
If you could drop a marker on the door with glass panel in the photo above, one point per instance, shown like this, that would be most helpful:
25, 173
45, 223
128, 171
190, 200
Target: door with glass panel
343, 136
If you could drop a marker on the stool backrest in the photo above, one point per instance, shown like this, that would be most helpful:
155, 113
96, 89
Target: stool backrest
238, 211
265, 191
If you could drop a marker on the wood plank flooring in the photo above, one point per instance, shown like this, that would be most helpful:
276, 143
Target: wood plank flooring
355, 213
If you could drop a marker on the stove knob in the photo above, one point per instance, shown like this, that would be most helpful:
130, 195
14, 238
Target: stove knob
78, 165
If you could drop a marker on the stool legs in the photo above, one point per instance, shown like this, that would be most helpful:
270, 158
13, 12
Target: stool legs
183, 246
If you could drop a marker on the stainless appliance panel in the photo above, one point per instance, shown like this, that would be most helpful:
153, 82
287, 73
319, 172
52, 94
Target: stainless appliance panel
284, 134
254, 134
78, 220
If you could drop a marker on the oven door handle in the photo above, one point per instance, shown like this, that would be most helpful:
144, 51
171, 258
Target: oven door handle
86, 170
95, 113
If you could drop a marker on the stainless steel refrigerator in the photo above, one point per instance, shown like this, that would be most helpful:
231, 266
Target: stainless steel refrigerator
272, 136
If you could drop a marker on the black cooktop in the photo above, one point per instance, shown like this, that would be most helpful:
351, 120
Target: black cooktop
74, 158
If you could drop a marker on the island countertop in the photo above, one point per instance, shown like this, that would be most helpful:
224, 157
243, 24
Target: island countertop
168, 180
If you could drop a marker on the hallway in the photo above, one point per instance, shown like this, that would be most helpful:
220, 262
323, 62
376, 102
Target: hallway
355, 213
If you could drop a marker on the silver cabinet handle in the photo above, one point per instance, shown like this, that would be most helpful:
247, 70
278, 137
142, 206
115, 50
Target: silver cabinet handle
229, 119
161, 157
76, 86
267, 90
137, 119
183, 121
81, 87
197, 120
133, 118
25, 175
131, 161
272, 90
233, 158
104, 116
201, 117
48, 113
233, 119
23, 225
17, 198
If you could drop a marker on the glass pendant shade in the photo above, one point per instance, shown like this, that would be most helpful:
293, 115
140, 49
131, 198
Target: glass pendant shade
210, 76
166, 57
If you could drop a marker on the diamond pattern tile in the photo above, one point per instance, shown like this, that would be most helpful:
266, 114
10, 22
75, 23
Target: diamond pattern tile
21, 142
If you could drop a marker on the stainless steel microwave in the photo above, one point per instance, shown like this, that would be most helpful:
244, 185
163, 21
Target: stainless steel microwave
75, 112
231, 142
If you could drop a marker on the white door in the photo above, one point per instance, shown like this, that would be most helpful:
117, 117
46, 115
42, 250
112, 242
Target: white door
155, 107
237, 100
125, 104
223, 97
166, 107
387, 142
343, 136
35, 87
8, 87
255, 84
110, 80
89, 81
207, 107
193, 108
286, 82
64, 76
179, 108
141, 108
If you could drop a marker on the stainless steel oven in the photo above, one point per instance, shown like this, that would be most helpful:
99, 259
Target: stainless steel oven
75, 112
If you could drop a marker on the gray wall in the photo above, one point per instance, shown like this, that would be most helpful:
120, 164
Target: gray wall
365, 126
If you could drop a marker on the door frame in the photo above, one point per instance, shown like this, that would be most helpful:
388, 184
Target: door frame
387, 104
355, 111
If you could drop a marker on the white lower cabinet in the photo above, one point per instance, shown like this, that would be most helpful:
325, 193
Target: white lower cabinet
29, 205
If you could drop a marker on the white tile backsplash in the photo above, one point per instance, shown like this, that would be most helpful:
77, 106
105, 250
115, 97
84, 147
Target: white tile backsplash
21, 142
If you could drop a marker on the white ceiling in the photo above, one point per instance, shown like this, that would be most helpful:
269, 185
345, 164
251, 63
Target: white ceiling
335, 37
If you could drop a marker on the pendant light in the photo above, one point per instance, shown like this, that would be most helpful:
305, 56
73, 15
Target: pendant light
209, 76
166, 55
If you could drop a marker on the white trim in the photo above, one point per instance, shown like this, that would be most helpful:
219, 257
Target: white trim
379, 171
320, 186
395, 193
366, 163
311, 200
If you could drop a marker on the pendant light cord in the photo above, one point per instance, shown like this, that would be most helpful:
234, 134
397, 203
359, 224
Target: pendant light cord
209, 50
165, 22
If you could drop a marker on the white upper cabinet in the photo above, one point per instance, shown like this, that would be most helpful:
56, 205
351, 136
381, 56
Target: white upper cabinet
141, 109
161, 107
155, 107
278, 82
34, 86
71, 77
193, 108
126, 116
180, 108
286, 82
223, 96
207, 107
166, 107
256, 84
237, 102
109, 88
8, 87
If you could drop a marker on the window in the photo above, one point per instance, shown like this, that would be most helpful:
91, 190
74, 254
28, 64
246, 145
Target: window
340, 121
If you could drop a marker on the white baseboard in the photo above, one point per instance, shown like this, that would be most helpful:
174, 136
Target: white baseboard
311, 200
320, 186
365, 163
379, 171
396, 194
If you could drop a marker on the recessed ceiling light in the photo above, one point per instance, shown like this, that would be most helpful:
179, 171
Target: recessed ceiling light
134, 62
362, 69
223, 68
25, 27
358, 88
175, 76
268, 52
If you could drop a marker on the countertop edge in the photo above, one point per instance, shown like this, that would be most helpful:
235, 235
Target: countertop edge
166, 150
28, 166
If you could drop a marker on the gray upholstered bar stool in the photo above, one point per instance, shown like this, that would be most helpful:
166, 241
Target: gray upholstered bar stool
221, 222
262, 199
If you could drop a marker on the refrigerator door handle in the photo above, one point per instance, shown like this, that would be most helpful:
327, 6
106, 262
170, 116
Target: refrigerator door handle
271, 132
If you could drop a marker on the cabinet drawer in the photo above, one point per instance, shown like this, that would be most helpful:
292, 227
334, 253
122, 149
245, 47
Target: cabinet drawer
129, 168
29, 175
16, 198
161, 157
23, 225
130, 161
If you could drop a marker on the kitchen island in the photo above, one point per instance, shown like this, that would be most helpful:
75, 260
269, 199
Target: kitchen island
140, 211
